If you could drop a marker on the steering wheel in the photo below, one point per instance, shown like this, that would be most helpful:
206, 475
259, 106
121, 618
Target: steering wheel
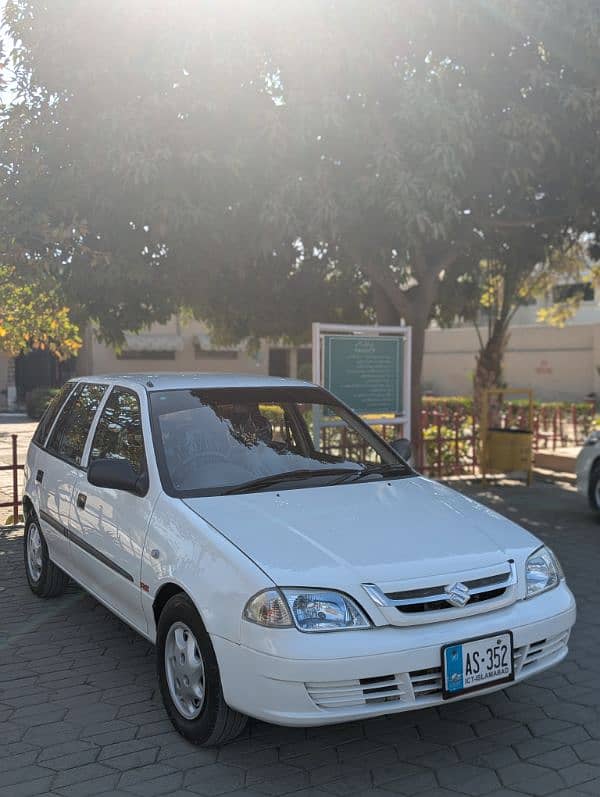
180, 470
194, 461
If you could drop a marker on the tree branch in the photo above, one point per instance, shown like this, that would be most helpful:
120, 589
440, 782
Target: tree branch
385, 280
515, 224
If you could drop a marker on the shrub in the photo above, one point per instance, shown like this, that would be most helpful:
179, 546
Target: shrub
462, 404
455, 449
37, 401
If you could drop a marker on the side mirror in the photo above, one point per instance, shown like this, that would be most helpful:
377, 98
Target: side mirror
117, 474
402, 447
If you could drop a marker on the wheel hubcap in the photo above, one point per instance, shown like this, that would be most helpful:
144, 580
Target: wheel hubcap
34, 552
184, 669
597, 494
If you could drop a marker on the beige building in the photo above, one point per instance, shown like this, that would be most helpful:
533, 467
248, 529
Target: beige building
559, 364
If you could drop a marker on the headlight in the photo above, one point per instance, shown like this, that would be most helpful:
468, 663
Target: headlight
592, 438
309, 610
542, 572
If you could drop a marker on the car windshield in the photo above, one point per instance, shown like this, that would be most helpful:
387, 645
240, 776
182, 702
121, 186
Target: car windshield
216, 441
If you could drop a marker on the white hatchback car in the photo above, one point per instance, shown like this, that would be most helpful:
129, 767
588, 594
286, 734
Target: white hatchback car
587, 468
288, 564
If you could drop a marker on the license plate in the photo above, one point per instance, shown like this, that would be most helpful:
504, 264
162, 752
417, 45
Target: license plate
477, 664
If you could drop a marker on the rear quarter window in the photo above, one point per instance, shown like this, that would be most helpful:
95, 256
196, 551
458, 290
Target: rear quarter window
50, 414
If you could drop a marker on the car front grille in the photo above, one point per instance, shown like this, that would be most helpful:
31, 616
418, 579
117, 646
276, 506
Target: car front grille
420, 687
437, 598
481, 589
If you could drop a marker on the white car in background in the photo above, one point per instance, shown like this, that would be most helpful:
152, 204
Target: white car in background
587, 468
287, 562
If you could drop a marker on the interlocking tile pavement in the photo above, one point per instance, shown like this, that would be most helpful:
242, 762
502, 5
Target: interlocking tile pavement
80, 713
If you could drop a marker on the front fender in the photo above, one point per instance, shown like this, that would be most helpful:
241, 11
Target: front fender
181, 548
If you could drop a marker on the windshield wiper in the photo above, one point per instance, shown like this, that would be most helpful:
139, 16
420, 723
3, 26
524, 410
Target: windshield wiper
290, 475
385, 469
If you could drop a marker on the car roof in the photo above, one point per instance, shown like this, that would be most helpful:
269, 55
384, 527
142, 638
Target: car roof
171, 381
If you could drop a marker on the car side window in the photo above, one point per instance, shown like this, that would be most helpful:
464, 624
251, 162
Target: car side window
119, 431
50, 414
67, 440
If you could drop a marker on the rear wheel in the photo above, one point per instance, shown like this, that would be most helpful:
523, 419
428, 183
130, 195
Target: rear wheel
189, 677
45, 578
594, 488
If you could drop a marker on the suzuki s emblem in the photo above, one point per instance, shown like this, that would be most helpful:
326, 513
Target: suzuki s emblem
458, 594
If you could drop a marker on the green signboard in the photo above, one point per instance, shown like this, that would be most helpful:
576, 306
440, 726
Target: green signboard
367, 373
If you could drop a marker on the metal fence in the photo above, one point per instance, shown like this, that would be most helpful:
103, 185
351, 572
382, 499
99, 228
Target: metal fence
10, 479
450, 437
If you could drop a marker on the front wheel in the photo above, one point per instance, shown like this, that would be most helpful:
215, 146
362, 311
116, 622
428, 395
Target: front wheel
45, 579
594, 488
189, 678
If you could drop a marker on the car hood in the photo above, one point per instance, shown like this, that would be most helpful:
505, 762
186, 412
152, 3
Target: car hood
383, 531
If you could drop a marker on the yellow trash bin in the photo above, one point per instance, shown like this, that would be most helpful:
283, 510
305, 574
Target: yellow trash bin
505, 449
508, 449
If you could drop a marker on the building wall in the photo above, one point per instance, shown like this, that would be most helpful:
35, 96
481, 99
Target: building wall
98, 358
558, 364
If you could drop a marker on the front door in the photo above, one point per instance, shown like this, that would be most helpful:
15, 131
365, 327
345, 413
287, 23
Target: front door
109, 526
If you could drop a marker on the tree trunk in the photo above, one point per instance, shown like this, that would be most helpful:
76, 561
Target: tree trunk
385, 311
488, 371
414, 306
418, 327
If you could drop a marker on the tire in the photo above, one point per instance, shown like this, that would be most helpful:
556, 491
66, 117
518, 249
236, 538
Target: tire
45, 579
594, 488
189, 678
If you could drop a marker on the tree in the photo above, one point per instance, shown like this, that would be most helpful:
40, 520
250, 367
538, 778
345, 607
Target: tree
33, 316
208, 154
492, 291
453, 133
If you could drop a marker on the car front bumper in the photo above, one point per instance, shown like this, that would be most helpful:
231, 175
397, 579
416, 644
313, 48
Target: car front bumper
351, 675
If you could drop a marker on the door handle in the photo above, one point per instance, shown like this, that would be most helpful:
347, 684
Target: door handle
81, 499
39, 476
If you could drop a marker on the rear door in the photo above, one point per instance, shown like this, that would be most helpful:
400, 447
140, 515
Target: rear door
61, 467
109, 526
38, 464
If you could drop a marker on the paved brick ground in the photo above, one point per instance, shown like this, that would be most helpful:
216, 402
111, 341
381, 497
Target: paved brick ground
80, 714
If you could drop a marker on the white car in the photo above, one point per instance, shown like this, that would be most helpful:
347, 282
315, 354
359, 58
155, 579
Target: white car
287, 562
587, 468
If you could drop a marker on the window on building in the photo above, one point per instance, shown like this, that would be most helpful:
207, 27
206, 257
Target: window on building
279, 362
214, 354
582, 290
145, 354
526, 301
305, 364
68, 438
119, 431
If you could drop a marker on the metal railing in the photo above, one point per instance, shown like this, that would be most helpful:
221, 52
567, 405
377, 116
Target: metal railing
11, 488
